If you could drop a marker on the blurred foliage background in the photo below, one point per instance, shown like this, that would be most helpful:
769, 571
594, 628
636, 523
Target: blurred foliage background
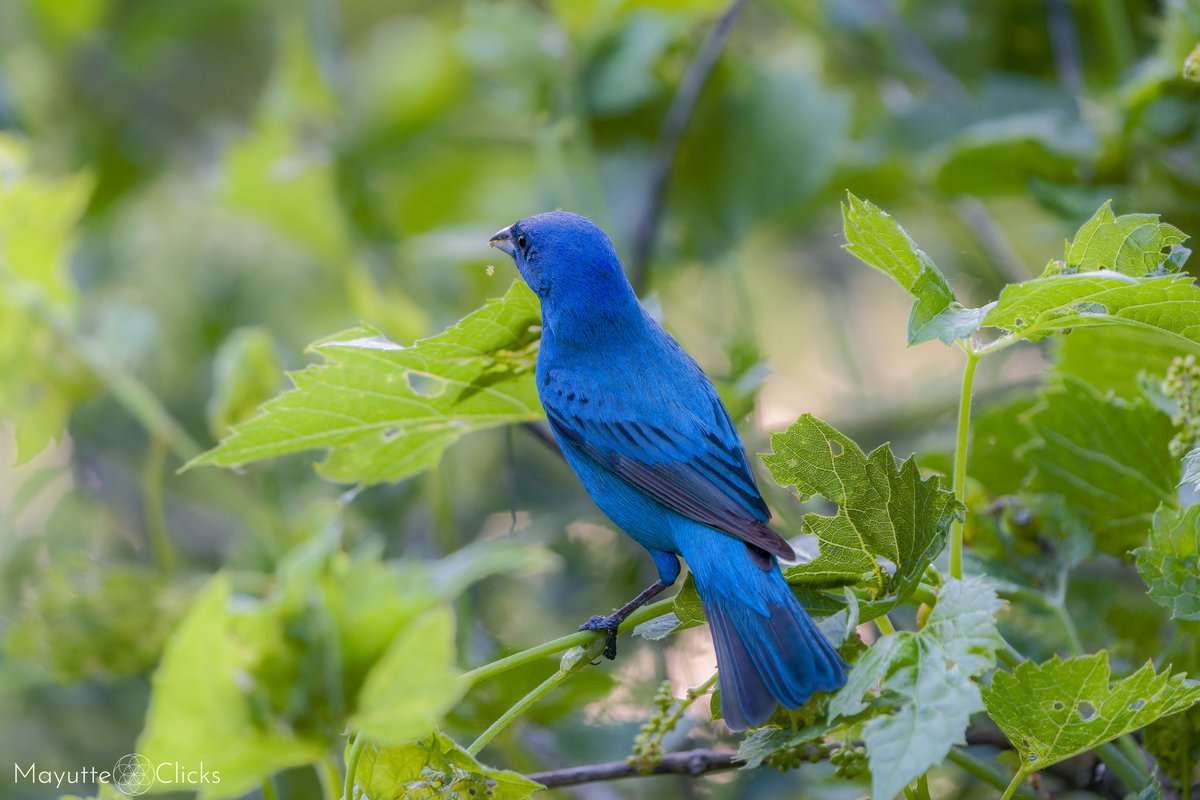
192, 192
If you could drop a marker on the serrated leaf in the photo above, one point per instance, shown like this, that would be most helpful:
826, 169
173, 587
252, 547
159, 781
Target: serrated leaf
1170, 563
1059, 709
434, 767
1169, 304
929, 675
385, 411
879, 241
1107, 458
890, 522
1131, 244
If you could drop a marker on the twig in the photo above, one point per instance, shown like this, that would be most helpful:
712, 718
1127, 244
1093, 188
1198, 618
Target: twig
685, 762
673, 128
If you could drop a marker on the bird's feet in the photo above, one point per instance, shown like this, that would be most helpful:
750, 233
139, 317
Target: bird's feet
609, 626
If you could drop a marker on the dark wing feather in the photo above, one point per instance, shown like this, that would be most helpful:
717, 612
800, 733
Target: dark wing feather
702, 475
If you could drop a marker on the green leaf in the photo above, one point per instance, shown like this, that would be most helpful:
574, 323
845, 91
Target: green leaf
434, 767
1033, 309
879, 241
1132, 244
929, 675
1059, 709
386, 411
414, 682
1170, 563
890, 522
199, 712
1117, 359
1107, 458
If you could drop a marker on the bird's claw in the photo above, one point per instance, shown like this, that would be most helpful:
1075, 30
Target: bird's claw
608, 626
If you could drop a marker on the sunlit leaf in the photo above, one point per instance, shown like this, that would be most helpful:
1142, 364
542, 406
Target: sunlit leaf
415, 681
1059, 709
1138, 245
928, 674
385, 411
434, 767
877, 239
1170, 563
890, 522
1169, 303
200, 713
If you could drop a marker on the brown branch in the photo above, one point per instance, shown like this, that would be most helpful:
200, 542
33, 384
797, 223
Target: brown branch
684, 762
674, 126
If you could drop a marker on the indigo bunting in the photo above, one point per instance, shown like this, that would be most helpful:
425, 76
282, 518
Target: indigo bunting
643, 428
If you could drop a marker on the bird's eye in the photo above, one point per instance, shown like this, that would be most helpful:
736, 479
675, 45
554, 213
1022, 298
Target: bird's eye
521, 241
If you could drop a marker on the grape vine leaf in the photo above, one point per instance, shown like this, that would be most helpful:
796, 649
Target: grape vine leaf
929, 672
1170, 563
1106, 457
890, 522
1059, 709
879, 241
1036, 308
433, 767
386, 411
1139, 245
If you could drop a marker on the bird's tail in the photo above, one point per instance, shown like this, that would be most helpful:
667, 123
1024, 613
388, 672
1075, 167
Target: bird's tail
769, 651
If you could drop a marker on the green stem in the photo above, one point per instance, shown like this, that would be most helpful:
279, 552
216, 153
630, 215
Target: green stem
983, 771
1115, 32
356, 749
692, 696
885, 625
522, 705
925, 594
563, 643
1134, 776
153, 517
960, 458
923, 787
1013, 785
268, 789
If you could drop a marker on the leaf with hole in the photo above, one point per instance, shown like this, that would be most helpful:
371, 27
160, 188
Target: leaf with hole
385, 411
890, 522
1059, 709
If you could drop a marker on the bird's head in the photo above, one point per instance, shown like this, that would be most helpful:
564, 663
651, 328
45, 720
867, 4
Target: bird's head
564, 258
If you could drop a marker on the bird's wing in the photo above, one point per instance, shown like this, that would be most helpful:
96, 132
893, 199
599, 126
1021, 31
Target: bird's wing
690, 460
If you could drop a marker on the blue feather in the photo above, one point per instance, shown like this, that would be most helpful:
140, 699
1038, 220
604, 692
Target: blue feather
648, 436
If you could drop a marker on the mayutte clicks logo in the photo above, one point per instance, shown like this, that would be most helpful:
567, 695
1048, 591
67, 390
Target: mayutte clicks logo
133, 774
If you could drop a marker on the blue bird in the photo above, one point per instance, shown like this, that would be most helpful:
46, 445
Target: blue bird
643, 428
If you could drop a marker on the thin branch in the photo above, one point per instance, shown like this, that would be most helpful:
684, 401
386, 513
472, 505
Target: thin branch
674, 126
685, 762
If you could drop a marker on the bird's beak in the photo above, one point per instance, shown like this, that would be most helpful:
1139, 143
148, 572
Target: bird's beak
503, 241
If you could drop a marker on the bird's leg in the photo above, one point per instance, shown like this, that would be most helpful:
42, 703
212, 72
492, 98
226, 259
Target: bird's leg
612, 622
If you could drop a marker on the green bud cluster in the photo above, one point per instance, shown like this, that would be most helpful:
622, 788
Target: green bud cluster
850, 760
1182, 385
647, 745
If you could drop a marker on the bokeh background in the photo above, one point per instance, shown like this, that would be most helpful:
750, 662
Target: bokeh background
231, 180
